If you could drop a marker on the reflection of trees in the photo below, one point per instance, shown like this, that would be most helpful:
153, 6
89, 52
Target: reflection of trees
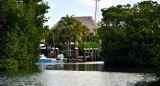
74, 66
84, 67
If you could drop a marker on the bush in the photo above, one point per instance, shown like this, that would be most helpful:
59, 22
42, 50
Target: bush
9, 64
87, 45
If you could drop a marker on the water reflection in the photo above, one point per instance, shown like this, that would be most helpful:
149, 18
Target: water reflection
86, 66
71, 74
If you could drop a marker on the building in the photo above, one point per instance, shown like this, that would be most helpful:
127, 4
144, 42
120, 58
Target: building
85, 20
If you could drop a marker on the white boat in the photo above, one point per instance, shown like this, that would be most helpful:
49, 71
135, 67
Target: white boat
43, 59
60, 57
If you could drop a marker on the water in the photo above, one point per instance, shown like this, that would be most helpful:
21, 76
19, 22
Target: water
75, 74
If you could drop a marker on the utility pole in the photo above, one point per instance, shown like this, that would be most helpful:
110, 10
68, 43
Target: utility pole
97, 15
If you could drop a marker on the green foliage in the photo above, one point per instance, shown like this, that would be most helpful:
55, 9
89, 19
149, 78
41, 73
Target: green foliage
11, 64
50, 39
130, 35
8, 64
87, 45
21, 25
68, 30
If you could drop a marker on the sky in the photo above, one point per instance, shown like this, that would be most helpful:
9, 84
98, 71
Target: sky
61, 8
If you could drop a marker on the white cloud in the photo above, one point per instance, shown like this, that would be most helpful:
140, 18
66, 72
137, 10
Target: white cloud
106, 3
109, 3
54, 5
90, 4
87, 2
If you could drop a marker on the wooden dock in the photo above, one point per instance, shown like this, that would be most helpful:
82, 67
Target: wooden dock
86, 58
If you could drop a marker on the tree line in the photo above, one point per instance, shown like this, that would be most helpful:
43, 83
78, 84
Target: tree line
21, 28
130, 35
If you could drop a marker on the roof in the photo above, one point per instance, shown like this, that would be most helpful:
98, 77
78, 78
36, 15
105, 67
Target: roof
85, 20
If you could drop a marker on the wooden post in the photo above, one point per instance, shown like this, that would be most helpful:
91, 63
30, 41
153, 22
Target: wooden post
57, 50
92, 54
67, 56
84, 58
95, 53
76, 50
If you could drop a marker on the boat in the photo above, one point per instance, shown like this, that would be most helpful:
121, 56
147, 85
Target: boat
43, 59
60, 57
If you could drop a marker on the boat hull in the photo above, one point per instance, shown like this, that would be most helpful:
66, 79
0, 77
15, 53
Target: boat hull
46, 60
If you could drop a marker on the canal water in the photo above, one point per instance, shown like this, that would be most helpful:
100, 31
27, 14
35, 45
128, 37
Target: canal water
77, 74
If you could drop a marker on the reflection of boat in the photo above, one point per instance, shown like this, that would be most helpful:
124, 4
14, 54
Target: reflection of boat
56, 66
43, 59
51, 66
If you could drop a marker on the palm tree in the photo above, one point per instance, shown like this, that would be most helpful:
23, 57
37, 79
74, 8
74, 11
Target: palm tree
69, 29
64, 31
77, 34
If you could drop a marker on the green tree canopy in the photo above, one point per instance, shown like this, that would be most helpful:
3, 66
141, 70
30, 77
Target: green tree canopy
21, 25
130, 35
69, 30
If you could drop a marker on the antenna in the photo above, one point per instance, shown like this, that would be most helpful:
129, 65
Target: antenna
97, 11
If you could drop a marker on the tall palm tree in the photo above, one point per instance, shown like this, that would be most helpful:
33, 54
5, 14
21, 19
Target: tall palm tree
69, 29
64, 31
77, 34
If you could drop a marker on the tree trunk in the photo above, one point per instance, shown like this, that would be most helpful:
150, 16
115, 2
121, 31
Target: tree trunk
75, 50
67, 46
67, 50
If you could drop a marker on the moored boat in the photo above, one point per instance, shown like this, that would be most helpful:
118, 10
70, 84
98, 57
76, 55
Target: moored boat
43, 59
